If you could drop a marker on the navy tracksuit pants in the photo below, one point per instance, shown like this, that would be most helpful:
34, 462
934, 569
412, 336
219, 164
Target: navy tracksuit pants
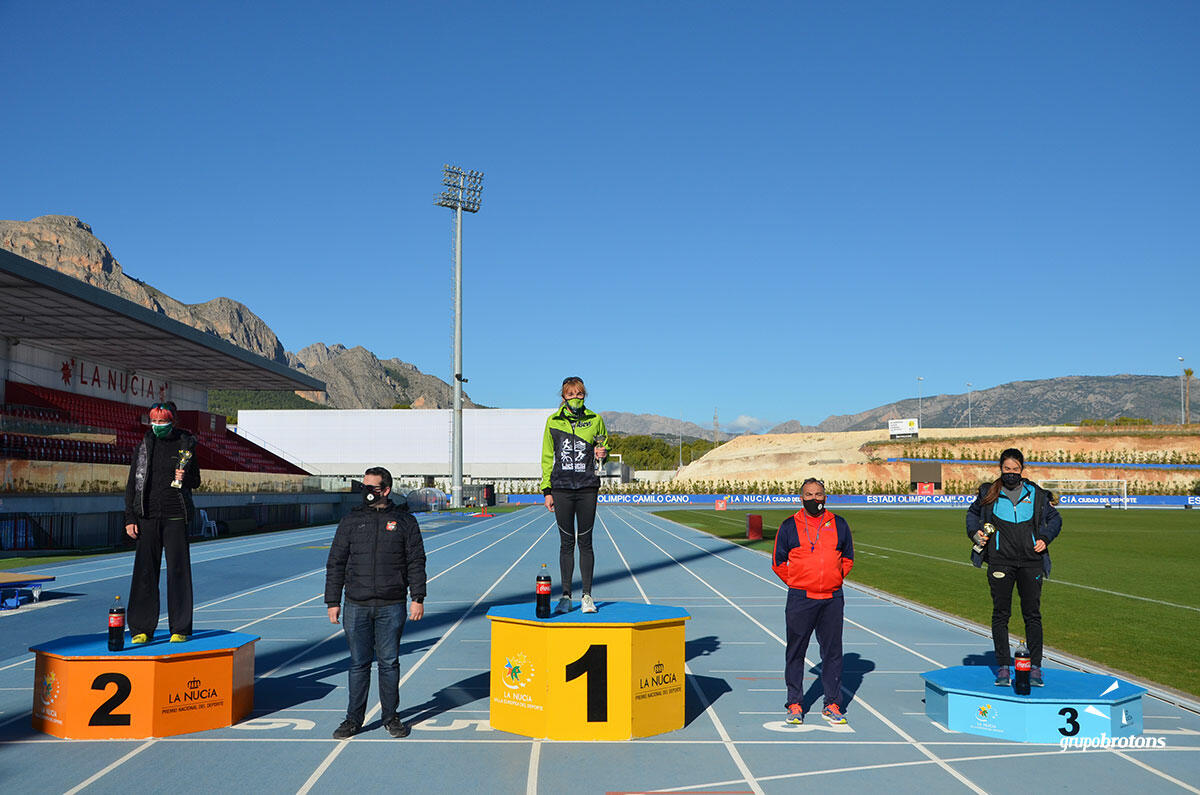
804, 616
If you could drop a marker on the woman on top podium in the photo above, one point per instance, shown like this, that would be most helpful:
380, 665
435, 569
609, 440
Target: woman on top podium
574, 442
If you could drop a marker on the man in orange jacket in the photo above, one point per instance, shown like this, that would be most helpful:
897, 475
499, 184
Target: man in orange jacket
813, 554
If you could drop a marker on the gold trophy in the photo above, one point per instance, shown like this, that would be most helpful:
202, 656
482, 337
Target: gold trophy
988, 529
186, 456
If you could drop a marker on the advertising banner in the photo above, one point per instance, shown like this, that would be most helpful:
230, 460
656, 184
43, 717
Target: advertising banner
872, 500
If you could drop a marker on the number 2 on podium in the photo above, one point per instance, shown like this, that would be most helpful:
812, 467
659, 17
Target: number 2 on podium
593, 663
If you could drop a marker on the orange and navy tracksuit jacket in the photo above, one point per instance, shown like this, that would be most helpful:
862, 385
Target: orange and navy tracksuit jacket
813, 554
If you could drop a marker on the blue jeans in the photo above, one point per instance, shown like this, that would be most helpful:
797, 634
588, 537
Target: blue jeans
373, 633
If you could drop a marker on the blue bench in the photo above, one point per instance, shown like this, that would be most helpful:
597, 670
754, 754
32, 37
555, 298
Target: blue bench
11, 585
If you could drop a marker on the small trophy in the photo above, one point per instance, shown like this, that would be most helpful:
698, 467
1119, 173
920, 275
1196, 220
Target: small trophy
186, 456
988, 529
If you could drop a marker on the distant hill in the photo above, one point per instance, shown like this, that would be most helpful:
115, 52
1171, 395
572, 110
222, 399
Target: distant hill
655, 425
1050, 401
355, 378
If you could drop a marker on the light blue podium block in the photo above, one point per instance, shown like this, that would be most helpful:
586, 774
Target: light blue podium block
1072, 704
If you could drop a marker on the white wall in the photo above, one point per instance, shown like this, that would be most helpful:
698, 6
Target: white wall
497, 443
29, 364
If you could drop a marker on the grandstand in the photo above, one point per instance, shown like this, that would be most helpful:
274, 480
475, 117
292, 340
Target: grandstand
79, 367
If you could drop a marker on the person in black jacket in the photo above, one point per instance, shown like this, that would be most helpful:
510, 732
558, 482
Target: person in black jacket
1024, 521
157, 513
378, 557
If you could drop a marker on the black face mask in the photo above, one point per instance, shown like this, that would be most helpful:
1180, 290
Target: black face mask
1010, 480
372, 498
814, 507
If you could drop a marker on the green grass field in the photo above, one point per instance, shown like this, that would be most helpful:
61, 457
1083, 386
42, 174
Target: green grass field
1102, 561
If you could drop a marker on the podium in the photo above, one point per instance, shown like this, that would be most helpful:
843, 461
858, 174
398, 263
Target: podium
611, 675
1072, 704
81, 690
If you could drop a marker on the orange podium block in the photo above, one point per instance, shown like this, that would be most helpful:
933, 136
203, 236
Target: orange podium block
81, 690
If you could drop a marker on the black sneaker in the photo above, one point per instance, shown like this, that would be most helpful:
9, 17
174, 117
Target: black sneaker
1035, 676
397, 728
348, 729
1002, 679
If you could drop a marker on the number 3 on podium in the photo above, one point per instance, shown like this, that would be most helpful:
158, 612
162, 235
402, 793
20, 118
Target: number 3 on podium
593, 663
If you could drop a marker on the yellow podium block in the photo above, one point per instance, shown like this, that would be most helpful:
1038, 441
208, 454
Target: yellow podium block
610, 675
81, 690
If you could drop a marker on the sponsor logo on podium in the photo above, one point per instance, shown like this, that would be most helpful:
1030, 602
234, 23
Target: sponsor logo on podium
985, 718
51, 687
658, 682
196, 692
518, 672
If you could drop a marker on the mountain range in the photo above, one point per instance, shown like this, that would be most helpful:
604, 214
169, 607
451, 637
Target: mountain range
1050, 401
356, 378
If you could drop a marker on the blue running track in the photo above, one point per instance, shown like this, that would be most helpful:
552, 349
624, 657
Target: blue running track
734, 740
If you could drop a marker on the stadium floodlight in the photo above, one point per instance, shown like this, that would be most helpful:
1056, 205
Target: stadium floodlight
1181, 406
920, 423
969, 385
462, 194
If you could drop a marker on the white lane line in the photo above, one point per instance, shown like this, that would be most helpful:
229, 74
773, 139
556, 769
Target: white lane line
779, 585
489, 546
299, 654
859, 768
341, 746
705, 704
531, 777
125, 566
18, 662
1054, 581
101, 773
25, 608
857, 700
1156, 772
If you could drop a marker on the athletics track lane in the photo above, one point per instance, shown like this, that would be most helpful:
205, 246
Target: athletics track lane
734, 656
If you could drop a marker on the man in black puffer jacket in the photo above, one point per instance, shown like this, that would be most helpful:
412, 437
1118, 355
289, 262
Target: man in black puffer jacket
378, 557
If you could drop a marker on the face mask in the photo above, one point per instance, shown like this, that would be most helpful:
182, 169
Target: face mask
814, 507
576, 406
371, 498
1010, 480
162, 430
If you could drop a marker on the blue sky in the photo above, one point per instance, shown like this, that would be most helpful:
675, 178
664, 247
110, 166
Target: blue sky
783, 211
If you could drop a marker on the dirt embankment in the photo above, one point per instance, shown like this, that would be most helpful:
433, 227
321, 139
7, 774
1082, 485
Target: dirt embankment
862, 455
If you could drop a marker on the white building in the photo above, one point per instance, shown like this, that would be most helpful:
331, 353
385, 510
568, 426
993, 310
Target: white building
499, 445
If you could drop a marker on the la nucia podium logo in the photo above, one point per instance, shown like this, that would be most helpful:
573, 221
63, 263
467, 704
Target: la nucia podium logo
518, 672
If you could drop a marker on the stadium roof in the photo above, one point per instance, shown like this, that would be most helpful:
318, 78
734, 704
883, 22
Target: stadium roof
52, 310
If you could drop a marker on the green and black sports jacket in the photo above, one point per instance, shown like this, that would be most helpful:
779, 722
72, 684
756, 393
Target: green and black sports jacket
568, 450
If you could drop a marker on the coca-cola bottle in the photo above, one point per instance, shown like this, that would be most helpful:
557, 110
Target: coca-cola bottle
543, 592
116, 626
1022, 664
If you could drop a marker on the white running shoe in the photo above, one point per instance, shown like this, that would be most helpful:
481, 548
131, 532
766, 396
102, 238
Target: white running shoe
588, 605
564, 605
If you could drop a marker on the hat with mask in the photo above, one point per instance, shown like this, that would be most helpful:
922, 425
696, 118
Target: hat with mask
162, 418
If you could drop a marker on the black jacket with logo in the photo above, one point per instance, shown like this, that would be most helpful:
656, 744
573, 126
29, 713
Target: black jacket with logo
1012, 544
148, 490
378, 556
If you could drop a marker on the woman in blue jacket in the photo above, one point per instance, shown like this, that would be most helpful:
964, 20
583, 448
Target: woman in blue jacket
1017, 553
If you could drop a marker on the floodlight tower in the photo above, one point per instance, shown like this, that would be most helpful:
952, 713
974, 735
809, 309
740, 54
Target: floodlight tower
920, 422
969, 385
1181, 406
461, 193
